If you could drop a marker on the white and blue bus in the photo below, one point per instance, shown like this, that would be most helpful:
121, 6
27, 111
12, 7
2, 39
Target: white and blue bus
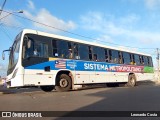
62, 63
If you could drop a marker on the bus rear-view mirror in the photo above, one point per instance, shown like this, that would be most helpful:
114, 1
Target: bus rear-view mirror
3, 53
3, 56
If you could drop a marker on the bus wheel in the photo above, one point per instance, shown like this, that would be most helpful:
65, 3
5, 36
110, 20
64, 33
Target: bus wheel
48, 88
64, 83
131, 80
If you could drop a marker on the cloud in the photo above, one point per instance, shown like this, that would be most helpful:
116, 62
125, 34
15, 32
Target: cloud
103, 38
101, 22
121, 27
127, 48
3, 69
152, 4
129, 19
93, 21
31, 5
8, 19
45, 17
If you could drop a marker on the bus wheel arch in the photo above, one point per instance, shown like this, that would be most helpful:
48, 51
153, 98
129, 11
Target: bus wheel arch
131, 80
64, 81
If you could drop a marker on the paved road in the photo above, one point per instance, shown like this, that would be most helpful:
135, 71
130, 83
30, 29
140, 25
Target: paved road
144, 97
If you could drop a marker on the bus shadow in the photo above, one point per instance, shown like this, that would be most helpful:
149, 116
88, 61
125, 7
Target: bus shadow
114, 85
117, 100
147, 82
4, 90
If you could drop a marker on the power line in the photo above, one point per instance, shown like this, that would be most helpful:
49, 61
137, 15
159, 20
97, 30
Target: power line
2, 7
5, 32
72, 32
8, 32
12, 26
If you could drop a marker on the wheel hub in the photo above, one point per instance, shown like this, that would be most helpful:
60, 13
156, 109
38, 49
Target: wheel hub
132, 81
63, 83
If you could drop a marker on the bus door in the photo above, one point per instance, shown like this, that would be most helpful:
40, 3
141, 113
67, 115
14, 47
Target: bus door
35, 60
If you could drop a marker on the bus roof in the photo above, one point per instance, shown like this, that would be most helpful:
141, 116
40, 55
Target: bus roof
80, 41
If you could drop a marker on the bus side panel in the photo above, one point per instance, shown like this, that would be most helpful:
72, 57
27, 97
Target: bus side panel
144, 76
84, 72
107, 77
84, 77
35, 77
17, 81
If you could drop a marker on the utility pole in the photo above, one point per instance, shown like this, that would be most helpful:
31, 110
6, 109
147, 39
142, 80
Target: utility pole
158, 62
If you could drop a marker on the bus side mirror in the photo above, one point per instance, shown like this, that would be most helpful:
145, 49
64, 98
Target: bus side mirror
3, 53
3, 56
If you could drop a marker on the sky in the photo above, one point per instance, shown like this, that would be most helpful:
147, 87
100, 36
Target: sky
129, 24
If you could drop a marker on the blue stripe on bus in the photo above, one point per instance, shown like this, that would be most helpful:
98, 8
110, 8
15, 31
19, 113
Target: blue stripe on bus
42, 65
86, 66
72, 65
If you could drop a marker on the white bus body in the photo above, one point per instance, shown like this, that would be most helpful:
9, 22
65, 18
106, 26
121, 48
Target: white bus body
46, 69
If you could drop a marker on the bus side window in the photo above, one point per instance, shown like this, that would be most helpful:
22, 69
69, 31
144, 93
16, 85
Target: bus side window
132, 59
150, 61
95, 57
95, 52
70, 51
110, 55
83, 52
99, 53
90, 52
120, 55
106, 55
145, 61
62, 48
137, 59
54, 45
76, 52
141, 60
114, 56
126, 58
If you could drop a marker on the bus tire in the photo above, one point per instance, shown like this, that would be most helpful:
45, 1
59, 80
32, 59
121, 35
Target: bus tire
131, 80
63, 83
48, 88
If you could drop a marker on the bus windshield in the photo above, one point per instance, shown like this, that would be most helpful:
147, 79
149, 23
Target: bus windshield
14, 54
